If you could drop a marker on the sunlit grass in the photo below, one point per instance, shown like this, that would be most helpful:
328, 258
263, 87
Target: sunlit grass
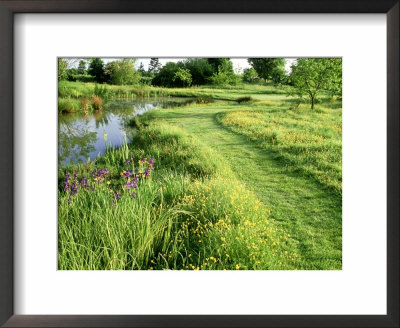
309, 140
190, 214
250, 185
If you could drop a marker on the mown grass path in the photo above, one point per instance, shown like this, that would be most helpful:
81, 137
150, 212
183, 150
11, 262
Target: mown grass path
310, 213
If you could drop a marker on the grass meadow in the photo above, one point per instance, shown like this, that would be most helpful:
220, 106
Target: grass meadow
250, 179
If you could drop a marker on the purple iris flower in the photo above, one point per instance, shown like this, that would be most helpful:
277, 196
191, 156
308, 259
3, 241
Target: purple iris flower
151, 160
84, 182
131, 184
127, 162
127, 173
74, 189
117, 195
146, 173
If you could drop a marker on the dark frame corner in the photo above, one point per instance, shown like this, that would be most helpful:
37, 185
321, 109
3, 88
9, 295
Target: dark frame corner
10, 7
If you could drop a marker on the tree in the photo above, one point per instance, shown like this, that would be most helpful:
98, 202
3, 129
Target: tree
122, 72
141, 68
217, 62
310, 76
96, 69
225, 74
250, 75
154, 65
82, 67
200, 69
62, 69
268, 68
165, 76
184, 76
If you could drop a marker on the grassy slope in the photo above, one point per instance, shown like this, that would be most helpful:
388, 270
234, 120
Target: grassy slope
191, 214
309, 212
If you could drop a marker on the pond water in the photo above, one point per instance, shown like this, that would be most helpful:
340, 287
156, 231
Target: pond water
81, 136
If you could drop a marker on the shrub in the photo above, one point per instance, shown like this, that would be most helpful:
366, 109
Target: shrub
243, 99
85, 104
97, 103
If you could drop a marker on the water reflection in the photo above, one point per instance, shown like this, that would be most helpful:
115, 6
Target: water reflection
81, 136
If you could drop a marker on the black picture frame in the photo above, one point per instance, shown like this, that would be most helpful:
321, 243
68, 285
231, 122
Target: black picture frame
7, 10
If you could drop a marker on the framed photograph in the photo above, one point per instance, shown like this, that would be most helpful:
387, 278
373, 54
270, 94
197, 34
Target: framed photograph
212, 164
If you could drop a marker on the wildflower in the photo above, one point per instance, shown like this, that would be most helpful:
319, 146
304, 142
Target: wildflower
105, 134
237, 266
66, 183
127, 162
151, 160
146, 173
84, 182
117, 195
131, 184
74, 189
126, 173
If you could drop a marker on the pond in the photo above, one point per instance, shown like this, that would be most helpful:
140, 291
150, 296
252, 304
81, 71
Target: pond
81, 136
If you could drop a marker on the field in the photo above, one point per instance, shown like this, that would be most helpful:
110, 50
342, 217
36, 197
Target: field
249, 179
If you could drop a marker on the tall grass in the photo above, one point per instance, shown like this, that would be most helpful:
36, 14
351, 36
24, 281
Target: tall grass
189, 213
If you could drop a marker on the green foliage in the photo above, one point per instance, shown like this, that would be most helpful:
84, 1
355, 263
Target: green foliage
250, 75
269, 68
183, 75
62, 69
243, 99
216, 63
96, 69
225, 74
122, 72
68, 105
141, 69
82, 67
166, 75
248, 186
311, 76
154, 65
187, 215
200, 69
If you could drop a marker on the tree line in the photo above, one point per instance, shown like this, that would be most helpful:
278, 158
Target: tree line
308, 77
